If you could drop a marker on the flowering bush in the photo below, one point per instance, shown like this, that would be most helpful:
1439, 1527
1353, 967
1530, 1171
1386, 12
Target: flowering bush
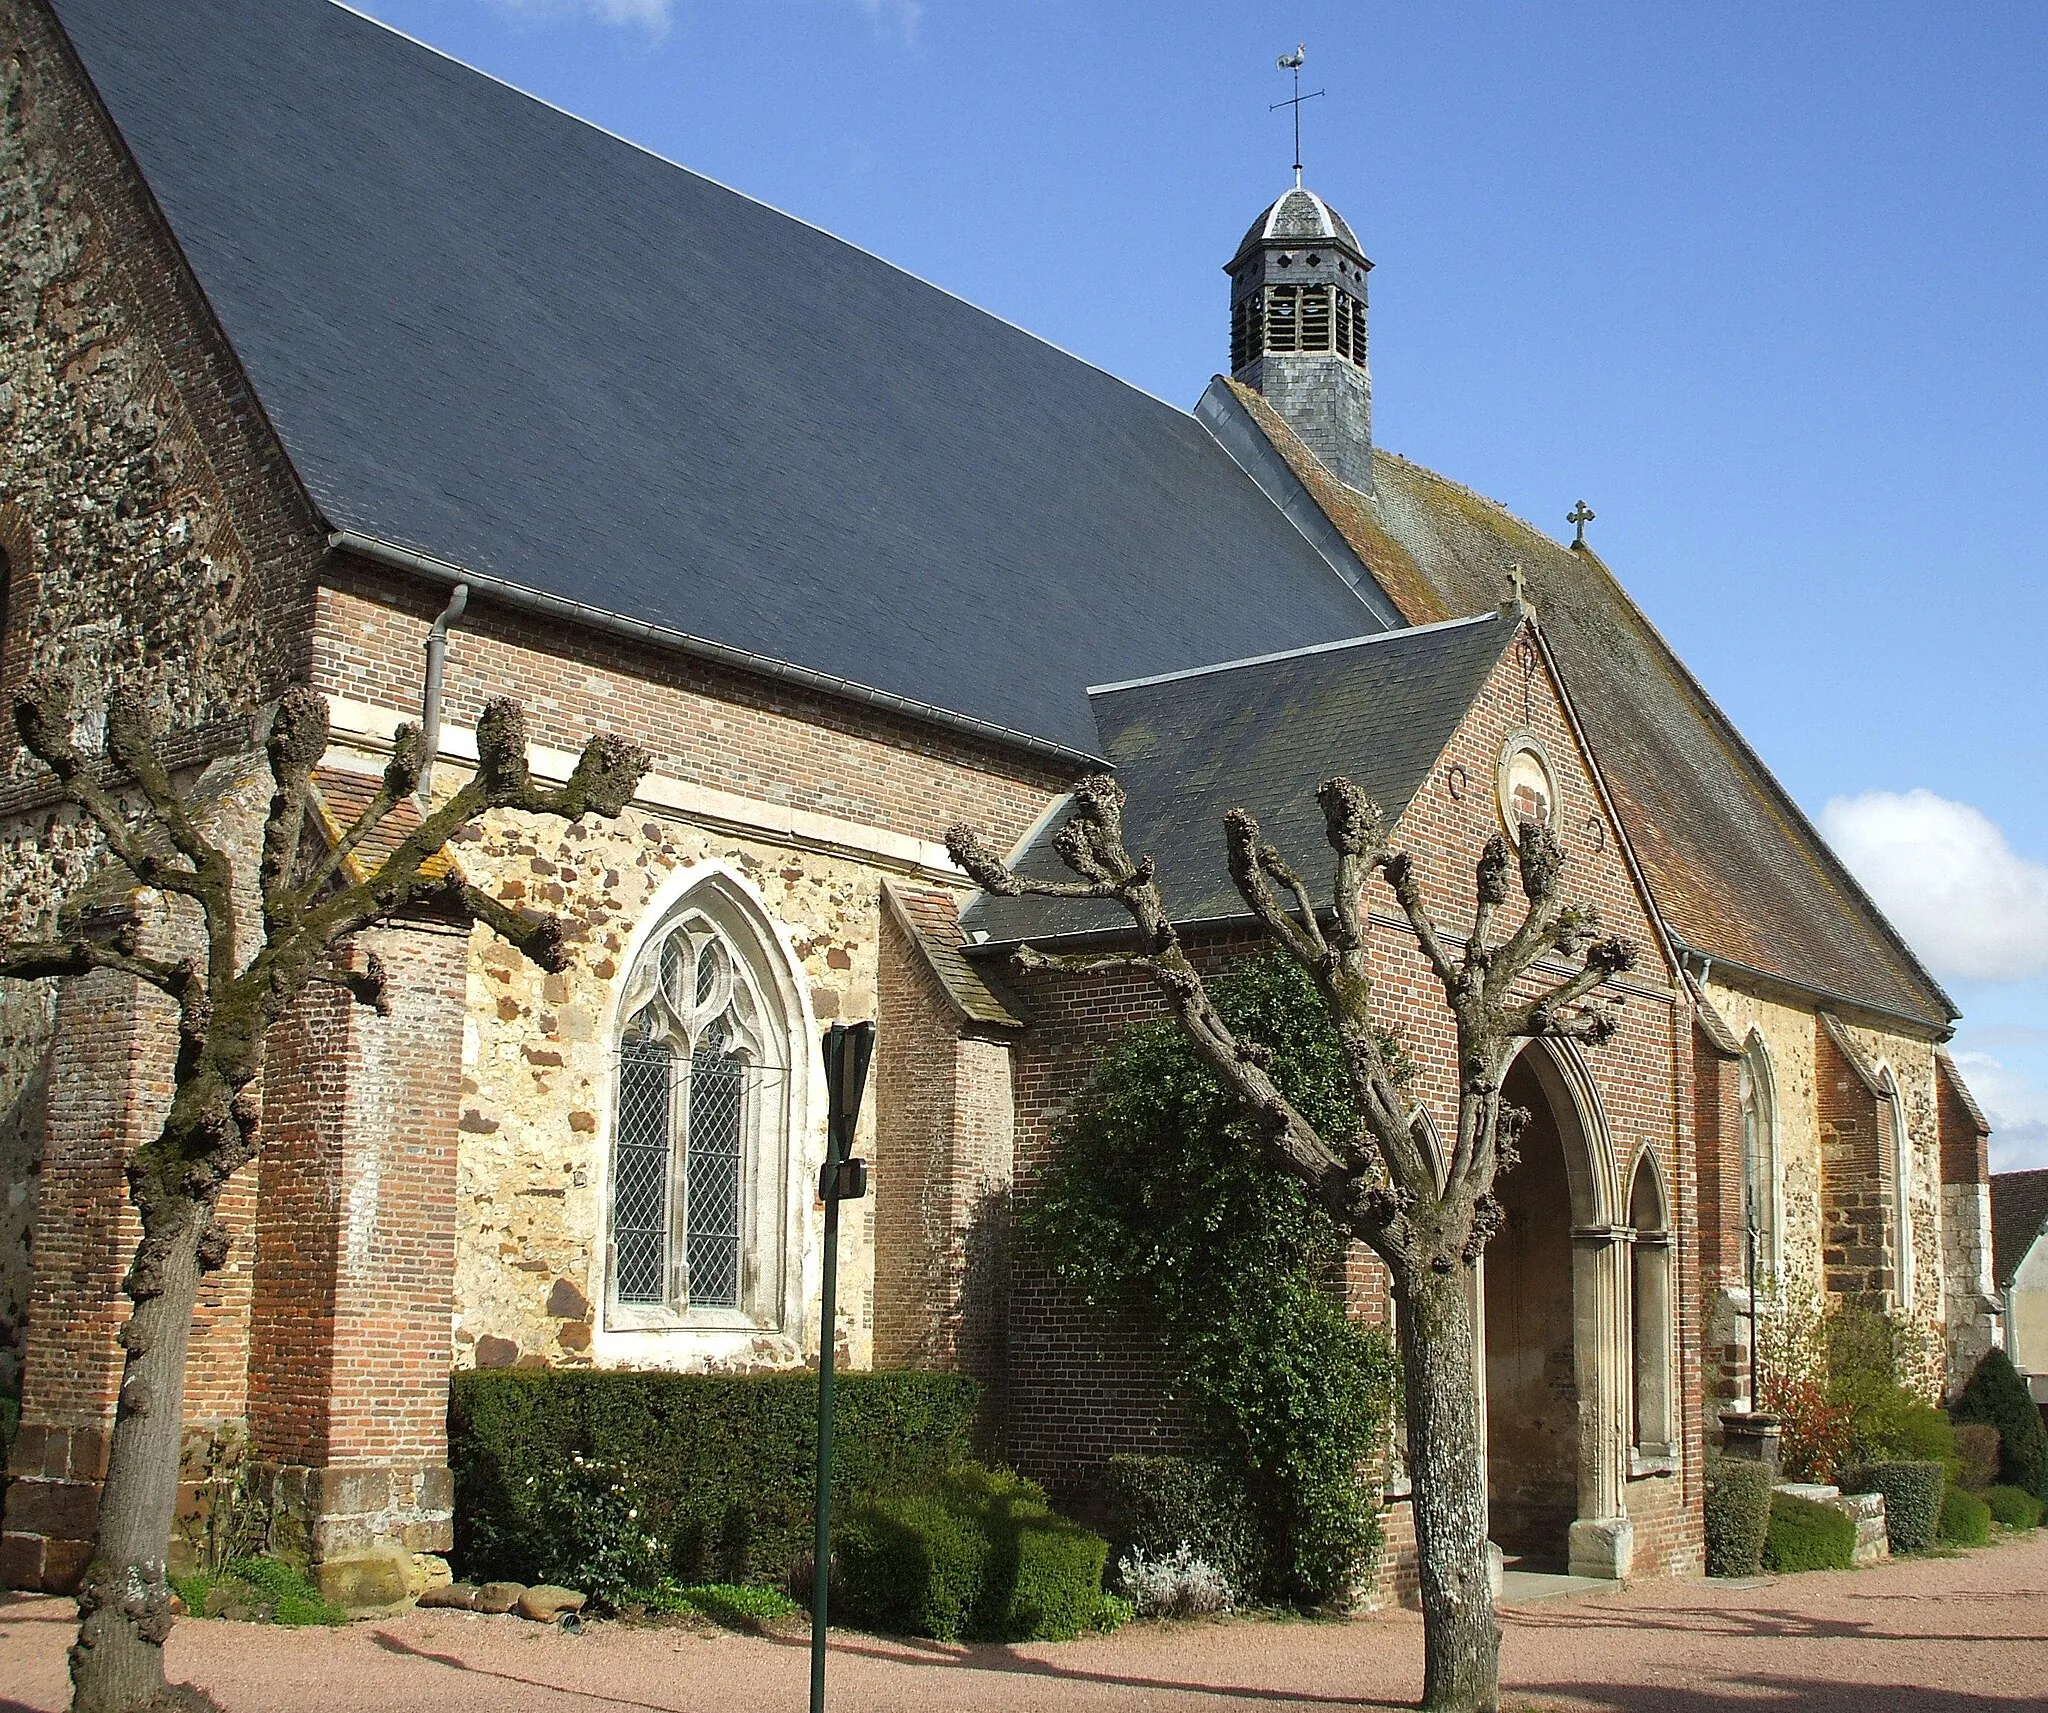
1173, 1585
1792, 1384
597, 1540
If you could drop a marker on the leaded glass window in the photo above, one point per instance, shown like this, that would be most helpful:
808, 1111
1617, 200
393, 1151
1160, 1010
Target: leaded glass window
698, 1127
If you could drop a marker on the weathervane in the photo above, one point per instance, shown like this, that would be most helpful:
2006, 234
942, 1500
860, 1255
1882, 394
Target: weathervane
1293, 62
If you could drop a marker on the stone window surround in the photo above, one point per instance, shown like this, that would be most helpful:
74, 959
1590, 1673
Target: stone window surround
782, 1161
1759, 1103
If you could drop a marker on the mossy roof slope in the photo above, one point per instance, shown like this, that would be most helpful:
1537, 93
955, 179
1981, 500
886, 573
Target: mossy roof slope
1737, 871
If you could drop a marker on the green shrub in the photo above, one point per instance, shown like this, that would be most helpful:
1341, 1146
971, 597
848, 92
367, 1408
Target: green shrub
719, 1468
1738, 1515
1157, 1504
736, 1605
980, 1554
1807, 1536
1996, 1394
1912, 1499
1976, 1455
597, 1539
1895, 1427
1965, 1518
2015, 1507
909, 1565
1152, 1166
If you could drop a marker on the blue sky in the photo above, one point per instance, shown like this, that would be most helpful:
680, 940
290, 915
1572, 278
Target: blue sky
1764, 284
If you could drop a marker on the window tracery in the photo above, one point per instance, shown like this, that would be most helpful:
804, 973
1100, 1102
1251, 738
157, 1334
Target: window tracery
701, 1129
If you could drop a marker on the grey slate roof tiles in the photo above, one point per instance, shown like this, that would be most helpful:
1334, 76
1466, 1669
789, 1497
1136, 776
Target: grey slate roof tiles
491, 333
1260, 734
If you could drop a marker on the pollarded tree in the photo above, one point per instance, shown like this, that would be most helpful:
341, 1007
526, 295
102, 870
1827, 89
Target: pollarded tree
227, 996
1381, 1183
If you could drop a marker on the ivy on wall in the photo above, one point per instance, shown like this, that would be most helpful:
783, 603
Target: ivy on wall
1157, 1206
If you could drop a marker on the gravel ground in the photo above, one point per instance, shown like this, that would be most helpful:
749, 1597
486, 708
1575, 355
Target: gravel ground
1948, 1635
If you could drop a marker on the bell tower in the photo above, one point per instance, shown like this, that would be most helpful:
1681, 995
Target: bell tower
1297, 329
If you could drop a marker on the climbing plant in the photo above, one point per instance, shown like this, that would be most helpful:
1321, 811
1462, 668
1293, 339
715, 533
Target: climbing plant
1157, 1205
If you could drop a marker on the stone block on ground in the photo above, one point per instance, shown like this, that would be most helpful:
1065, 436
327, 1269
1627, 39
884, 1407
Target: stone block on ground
358, 1584
454, 1596
544, 1603
426, 1571
497, 1596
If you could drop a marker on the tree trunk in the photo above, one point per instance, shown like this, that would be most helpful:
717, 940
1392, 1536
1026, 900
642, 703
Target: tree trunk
1461, 1640
124, 1603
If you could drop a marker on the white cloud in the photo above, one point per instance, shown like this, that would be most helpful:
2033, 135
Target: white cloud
2017, 1106
1968, 903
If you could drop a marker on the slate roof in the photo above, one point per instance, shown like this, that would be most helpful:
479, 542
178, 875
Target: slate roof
1261, 734
1736, 869
1302, 215
2019, 1212
491, 333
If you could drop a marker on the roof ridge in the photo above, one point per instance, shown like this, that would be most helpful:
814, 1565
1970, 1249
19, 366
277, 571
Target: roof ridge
654, 154
1804, 833
1394, 635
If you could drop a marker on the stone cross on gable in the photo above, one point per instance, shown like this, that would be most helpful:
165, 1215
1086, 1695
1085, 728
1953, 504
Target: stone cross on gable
1518, 586
1580, 515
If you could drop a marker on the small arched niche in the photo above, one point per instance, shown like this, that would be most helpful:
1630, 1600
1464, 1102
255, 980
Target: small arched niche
1650, 1312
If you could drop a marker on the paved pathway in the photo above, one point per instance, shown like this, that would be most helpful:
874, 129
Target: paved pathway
1960, 1635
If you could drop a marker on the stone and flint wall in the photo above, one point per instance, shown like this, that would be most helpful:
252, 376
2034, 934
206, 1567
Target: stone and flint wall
152, 533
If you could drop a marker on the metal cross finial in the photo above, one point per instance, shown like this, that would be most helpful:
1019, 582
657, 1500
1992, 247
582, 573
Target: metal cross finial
1581, 515
1519, 585
1293, 62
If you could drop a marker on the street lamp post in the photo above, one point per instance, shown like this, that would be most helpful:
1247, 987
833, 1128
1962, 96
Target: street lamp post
848, 1047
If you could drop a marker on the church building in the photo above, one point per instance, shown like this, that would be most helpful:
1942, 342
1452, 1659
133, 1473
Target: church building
314, 343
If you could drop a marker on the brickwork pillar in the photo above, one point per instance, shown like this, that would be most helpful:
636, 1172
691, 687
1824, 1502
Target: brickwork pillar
110, 1086
354, 1290
1857, 1253
944, 1138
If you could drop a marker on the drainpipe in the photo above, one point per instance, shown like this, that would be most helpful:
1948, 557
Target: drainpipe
430, 701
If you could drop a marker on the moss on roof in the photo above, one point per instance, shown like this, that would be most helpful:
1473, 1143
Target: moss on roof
1737, 871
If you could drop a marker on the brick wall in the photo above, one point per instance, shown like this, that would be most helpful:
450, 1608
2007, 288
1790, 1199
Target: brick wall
354, 1284
1857, 1180
1082, 1388
703, 723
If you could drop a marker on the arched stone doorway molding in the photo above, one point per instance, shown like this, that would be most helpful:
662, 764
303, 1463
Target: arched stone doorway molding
1600, 1541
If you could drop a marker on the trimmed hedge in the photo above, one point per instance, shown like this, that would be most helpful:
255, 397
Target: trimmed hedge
722, 1467
1157, 1504
1996, 1394
981, 1554
1965, 1518
1912, 1499
1976, 1455
1738, 1515
1805, 1535
2015, 1507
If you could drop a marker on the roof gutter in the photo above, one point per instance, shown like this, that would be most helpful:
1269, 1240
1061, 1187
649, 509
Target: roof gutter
1940, 1032
702, 648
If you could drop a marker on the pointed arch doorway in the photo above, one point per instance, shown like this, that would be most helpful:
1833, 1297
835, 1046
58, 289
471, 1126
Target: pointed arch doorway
1554, 1289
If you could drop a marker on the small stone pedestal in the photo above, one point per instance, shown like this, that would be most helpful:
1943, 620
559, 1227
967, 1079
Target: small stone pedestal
1756, 1437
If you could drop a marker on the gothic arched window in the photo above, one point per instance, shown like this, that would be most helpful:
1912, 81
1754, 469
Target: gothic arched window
701, 1128
1760, 1195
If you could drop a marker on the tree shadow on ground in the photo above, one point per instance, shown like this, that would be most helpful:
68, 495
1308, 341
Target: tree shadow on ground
939, 1655
1760, 1624
1755, 1694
